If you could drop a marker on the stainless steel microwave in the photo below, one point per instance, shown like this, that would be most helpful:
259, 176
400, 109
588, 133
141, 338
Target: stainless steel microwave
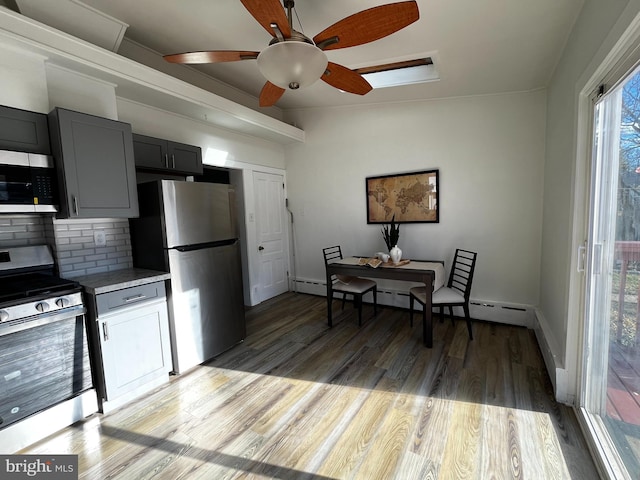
27, 183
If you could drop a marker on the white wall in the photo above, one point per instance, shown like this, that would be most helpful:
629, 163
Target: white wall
490, 153
220, 147
75, 91
23, 80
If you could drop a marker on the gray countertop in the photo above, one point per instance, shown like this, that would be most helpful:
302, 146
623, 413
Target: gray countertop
118, 279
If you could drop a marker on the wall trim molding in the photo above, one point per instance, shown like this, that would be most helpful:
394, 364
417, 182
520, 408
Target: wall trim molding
552, 359
140, 82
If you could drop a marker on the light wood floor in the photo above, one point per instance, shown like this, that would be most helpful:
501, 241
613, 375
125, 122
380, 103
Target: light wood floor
298, 400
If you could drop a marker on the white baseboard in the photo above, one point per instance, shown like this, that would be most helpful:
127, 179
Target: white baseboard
553, 359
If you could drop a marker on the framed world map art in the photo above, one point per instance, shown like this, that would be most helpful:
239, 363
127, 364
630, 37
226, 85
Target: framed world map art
411, 197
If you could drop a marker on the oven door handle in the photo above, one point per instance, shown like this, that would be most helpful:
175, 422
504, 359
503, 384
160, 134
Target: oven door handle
43, 319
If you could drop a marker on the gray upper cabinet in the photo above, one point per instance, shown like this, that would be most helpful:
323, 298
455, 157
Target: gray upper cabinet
23, 131
157, 154
96, 166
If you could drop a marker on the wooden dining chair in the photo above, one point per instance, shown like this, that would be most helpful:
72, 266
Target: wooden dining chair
355, 286
455, 294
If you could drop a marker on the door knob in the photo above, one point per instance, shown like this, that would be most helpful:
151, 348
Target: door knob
260, 248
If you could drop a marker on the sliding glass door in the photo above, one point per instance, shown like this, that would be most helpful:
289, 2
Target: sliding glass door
610, 396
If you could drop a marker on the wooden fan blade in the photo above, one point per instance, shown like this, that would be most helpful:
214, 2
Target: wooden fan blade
267, 12
211, 56
270, 94
344, 79
368, 25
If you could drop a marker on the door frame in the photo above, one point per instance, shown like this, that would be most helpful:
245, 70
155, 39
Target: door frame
241, 176
250, 251
615, 64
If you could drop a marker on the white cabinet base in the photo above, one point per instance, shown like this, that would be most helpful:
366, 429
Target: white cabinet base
130, 336
135, 347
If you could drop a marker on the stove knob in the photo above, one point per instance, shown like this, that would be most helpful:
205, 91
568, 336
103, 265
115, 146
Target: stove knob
62, 302
4, 315
42, 307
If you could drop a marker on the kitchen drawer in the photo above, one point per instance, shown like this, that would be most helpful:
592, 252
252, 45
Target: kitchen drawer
107, 303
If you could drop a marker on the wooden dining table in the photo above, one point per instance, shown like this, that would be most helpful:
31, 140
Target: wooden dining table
430, 273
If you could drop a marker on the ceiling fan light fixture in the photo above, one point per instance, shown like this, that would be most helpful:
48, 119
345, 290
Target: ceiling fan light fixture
292, 64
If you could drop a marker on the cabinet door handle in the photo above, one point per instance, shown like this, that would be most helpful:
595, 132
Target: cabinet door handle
75, 204
173, 160
166, 161
105, 332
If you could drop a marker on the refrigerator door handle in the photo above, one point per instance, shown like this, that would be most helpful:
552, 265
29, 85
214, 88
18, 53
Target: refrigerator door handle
200, 246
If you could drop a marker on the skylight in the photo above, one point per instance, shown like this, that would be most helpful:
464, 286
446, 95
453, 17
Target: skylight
400, 73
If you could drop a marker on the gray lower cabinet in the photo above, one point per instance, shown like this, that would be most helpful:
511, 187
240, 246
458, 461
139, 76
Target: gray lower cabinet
96, 166
132, 349
24, 131
164, 155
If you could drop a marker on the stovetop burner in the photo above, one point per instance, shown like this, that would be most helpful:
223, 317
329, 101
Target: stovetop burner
15, 287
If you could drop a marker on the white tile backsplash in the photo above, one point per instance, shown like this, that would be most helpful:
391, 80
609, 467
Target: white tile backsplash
22, 230
77, 253
71, 241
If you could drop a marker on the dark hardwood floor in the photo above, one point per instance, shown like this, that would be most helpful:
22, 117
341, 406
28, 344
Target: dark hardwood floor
299, 400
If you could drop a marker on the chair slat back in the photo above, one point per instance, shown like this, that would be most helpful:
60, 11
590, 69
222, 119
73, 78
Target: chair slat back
461, 274
332, 253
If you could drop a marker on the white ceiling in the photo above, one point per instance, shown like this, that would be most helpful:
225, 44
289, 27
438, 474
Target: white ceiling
478, 46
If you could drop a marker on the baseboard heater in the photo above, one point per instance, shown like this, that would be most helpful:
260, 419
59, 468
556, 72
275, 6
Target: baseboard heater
489, 311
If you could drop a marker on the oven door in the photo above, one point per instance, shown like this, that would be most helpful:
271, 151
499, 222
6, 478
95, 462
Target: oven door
43, 365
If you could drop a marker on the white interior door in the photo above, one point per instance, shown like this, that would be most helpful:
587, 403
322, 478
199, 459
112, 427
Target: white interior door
271, 230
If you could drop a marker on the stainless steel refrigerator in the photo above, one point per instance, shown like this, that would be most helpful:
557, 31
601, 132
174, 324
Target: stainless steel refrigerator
189, 230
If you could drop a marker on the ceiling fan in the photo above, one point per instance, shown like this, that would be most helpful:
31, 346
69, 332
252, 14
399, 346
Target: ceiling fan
293, 60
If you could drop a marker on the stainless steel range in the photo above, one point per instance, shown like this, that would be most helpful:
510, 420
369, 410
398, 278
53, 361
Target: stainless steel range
45, 371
